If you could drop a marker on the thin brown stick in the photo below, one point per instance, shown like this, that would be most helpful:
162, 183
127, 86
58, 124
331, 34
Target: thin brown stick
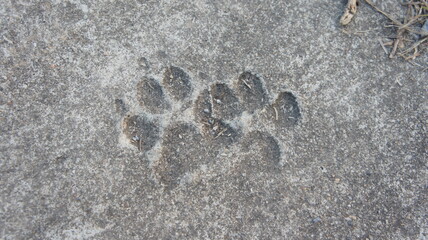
413, 56
389, 43
140, 145
220, 133
413, 3
411, 21
397, 42
383, 46
415, 45
396, 22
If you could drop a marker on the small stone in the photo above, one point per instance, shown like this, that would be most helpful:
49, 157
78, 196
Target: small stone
425, 27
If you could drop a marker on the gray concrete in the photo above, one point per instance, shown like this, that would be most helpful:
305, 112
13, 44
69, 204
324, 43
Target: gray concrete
271, 123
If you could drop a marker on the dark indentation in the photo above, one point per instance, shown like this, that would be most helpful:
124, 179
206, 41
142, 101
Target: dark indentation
60, 160
141, 132
219, 132
162, 54
151, 96
143, 63
261, 151
120, 105
203, 107
225, 104
177, 82
251, 92
203, 75
181, 154
285, 110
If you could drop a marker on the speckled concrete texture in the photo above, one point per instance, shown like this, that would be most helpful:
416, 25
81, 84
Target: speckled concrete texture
208, 120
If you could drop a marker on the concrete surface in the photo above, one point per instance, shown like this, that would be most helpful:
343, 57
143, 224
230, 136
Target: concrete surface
208, 120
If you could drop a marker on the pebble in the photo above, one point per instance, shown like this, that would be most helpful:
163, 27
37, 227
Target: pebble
425, 27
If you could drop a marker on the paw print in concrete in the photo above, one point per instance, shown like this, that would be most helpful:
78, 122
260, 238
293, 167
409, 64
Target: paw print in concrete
192, 132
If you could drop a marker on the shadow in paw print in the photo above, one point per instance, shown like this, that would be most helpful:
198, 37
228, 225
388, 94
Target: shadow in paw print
120, 106
213, 129
251, 92
261, 153
225, 104
182, 153
177, 82
219, 133
285, 111
203, 108
151, 96
141, 132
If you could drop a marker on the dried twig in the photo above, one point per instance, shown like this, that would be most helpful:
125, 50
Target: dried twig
350, 11
396, 22
220, 133
407, 30
397, 42
383, 46
246, 84
140, 145
276, 113
415, 15
415, 45
413, 56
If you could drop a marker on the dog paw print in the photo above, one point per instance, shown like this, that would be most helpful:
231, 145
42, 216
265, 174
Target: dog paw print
220, 104
217, 124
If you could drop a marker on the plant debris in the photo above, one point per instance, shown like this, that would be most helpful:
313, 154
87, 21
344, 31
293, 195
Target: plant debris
350, 11
411, 32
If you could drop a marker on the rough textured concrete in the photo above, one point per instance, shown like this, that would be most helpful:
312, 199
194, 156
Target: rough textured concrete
208, 120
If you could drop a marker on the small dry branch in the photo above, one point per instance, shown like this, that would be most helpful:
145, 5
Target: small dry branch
350, 11
416, 16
